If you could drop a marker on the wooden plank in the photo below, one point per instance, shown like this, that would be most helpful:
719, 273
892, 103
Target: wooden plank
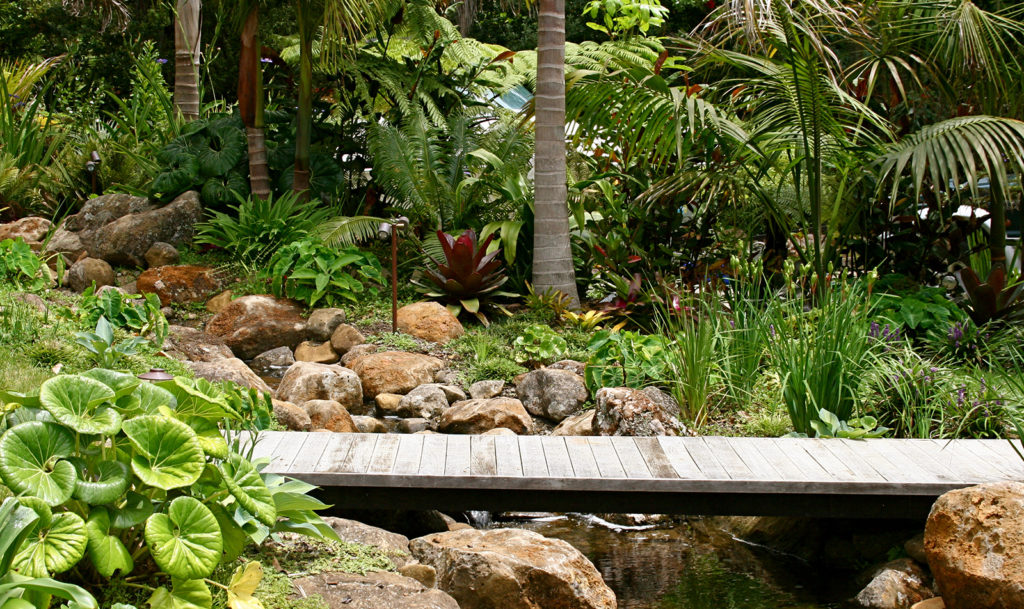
655, 458
482, 461
855, 460
888, 463
709, 466
778, 459
583, 463
288, 449
801, 459
266, 444
760, 467
680, 458
606, 457
506, 451
724, 453
435, 449
557, 457
308, 461
960, 459
923, 455
986, 451
630, 458
358, 457
532, 455
384, 454
409, 453
456, 462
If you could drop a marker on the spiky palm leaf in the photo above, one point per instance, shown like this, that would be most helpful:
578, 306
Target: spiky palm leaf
348, 230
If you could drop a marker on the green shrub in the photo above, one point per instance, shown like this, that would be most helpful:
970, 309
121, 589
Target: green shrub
128, 311
20, 267
921, 312
540, 344
113, 466
626, 359
313, 273
493, 368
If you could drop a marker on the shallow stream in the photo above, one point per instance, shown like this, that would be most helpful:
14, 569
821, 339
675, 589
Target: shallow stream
680, 564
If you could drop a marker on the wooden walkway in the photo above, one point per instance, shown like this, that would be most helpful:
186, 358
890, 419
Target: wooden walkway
706, 475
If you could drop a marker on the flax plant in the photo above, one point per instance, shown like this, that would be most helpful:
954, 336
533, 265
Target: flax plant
820, 354
691, 354
740, 340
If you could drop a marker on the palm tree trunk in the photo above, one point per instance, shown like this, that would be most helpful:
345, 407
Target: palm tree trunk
303, 131
997, 230
552, 255
186, 58
250, 103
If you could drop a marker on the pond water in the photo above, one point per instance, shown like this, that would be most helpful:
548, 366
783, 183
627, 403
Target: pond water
688, 564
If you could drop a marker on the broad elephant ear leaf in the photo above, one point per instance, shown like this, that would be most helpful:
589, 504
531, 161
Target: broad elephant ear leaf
167, 452
101, 484
186, 541
210, 437
248, 488
121, 383
31, 461
197, 398
107, 552
81, 403
150, 397
184, 594
53, 549
136, 509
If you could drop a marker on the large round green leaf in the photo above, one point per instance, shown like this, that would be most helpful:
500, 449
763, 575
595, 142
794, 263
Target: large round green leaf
248, 488
121, 383
167, 452
150, 397
184, 594
185, 542
31, 461
136, 509
81, 403
210, 437
101, 484
53, 549
107, 552
226, 148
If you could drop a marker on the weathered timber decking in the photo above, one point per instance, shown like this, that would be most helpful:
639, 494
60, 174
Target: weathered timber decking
706, 475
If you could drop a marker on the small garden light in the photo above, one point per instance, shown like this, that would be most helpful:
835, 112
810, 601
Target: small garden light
92, 166
391, 228
156, 375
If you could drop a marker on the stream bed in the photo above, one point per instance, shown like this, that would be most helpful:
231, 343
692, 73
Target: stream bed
687, 564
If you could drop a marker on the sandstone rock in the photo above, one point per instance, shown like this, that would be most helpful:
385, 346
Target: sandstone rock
425, 402
88, 271
482, 390
454, 393
321, 353
424, 574
581, 424
292, 417
344, 337
377, 590
622, 411
104, 209
273, 362
895, 585
367, 424
499, 431
974, 539
396, 546
162, 254
552, 394
328, 414
323, 322
569, 364
512, 569
217, 303
914, 547
388, 403
195, 346
413, 425
430, 321
446, 376
394, 371
126, 239
32, 229
306, 381
932, 603
478, 416
179, 284
229, 369
251, 325
65, 243
356, 352
665, 401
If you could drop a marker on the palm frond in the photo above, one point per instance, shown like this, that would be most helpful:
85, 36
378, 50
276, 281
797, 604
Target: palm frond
110, 11
347, 230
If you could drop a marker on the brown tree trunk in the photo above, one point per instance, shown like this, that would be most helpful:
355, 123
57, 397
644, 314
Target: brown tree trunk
186, 58
250, 104
552, 255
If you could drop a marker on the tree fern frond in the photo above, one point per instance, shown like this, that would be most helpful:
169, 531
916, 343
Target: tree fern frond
346, 230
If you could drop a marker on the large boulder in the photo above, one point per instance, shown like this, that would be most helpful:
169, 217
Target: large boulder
32, 230
179, 284
581, 424
479, 416
329, 415
307, 381
292, 417
376, 590
974, 540
552, 394
430, 321
274, 362
622, 411
162, 254
320, 353
323, 322
229, 369
344, 338
898, 584
481, 390
396, 546
104, 209
126, 240
89, 271
251, 325
425, 402
394, 371
512, 569
193, 345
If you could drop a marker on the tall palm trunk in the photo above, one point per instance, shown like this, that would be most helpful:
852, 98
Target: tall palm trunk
303, 131
250, 103
552, 255
186, 58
